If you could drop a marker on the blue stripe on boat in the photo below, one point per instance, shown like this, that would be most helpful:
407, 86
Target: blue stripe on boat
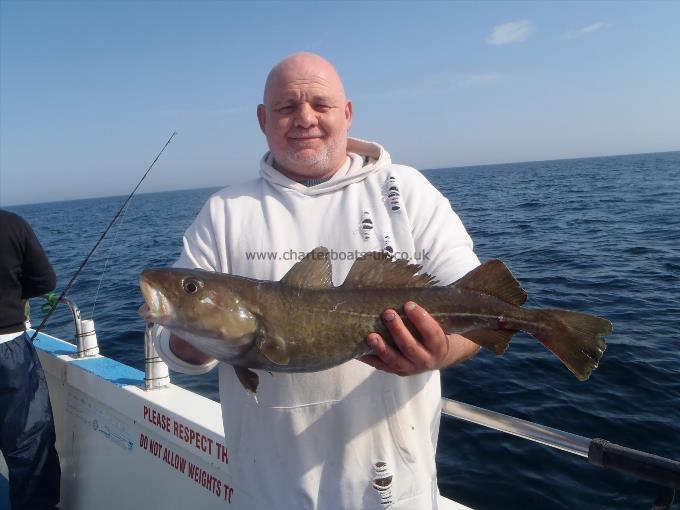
106, 368
117, 373
51, 344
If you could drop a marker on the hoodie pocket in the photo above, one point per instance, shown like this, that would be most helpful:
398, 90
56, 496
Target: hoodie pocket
350, 453
392, 411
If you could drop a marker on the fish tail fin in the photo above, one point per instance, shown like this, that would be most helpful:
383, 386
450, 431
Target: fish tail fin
576, 338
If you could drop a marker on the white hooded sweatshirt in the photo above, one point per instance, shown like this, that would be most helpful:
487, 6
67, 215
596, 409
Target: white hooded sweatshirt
350, 437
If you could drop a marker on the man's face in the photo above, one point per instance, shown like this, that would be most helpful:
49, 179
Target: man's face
305, 118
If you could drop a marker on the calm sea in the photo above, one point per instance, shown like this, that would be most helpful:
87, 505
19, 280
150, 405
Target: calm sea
600, 235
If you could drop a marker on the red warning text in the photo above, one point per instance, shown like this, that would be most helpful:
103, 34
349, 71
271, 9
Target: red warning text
179, 463
187, 434
162, 421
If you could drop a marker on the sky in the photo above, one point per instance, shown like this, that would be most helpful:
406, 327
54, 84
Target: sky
90, 91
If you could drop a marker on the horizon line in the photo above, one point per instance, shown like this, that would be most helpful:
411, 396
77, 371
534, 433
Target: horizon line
550, 160
220, 186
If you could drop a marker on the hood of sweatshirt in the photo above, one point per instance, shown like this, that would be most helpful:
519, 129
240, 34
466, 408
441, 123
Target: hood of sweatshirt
364, 158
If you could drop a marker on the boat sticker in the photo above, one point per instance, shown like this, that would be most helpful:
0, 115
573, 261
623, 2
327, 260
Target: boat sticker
100, 420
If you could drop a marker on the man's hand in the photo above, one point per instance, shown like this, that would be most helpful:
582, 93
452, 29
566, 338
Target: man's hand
187, 352
436, 351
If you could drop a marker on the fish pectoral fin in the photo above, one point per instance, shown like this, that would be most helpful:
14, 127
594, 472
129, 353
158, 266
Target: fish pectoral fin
249, 379
274, 348
495, 341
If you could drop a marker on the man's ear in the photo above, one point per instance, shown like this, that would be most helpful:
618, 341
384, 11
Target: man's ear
261, 116
348, 114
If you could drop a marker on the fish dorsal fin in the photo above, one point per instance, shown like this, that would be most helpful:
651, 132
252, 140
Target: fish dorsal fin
495, 279
379, 270
312, 272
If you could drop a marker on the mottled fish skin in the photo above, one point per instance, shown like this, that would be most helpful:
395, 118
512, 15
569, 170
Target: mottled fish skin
324, 328
305, 324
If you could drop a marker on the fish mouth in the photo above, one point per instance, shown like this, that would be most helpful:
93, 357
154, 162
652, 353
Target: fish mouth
157, 307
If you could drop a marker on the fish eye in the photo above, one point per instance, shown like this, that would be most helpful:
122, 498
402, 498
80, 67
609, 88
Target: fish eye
191, 285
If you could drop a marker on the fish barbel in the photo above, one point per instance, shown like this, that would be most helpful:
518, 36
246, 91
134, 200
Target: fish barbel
305, 324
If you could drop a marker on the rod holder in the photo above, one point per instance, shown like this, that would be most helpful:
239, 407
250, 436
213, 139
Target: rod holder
86, 339
156, 373
86, 336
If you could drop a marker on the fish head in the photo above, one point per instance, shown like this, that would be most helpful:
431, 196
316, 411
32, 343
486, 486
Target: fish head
197, 304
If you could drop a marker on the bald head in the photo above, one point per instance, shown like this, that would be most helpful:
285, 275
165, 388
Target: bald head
305, 117
301, 65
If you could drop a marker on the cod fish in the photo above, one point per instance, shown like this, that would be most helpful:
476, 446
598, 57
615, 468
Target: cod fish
305, 324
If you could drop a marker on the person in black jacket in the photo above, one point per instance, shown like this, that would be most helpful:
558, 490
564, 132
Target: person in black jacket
26, 424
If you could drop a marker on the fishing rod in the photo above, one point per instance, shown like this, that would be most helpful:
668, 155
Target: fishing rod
599, 452
55, 302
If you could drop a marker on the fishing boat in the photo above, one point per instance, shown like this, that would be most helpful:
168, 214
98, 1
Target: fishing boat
132, 439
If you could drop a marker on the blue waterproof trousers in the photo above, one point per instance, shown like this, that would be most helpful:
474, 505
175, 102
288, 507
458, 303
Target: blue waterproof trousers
27, 428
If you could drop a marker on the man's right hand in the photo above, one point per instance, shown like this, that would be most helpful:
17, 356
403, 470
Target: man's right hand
187, 352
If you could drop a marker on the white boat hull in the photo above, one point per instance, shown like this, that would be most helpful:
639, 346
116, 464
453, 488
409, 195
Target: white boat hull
123, 447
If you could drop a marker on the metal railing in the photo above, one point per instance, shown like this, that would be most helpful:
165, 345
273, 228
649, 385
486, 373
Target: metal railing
662, 471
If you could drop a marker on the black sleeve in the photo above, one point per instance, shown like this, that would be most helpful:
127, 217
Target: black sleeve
37, 275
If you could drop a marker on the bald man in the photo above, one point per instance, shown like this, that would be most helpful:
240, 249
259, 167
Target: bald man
351, 437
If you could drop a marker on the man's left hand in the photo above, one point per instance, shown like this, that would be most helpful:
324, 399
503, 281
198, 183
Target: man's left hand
411, 356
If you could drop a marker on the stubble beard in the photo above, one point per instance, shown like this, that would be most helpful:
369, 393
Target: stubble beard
318, 162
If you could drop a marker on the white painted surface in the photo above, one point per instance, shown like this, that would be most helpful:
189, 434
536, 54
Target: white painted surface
123, 447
